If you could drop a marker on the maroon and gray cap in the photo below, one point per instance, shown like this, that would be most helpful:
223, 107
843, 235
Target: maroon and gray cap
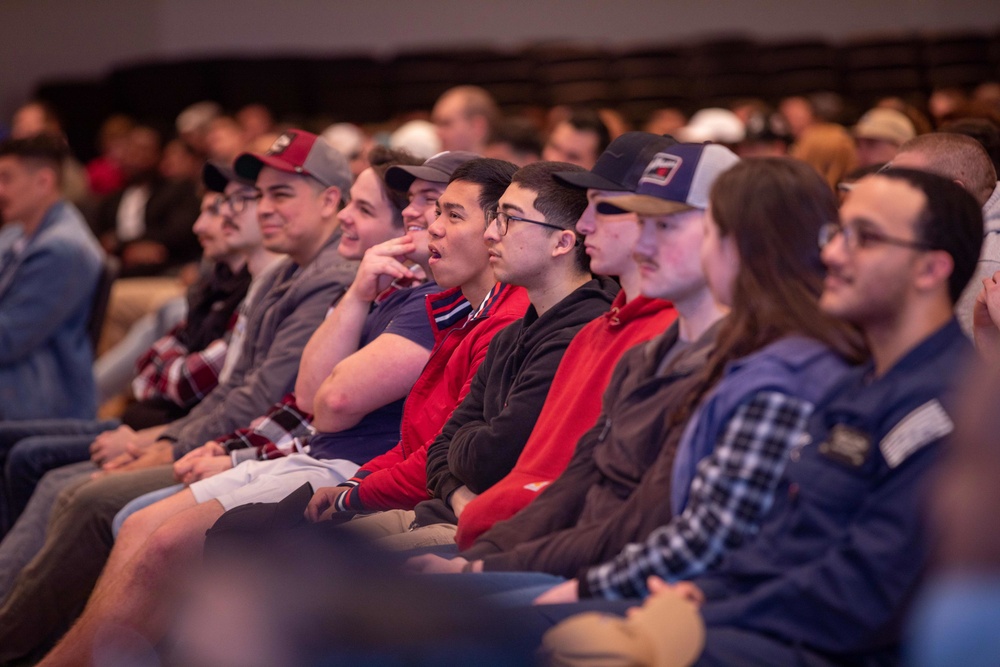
436, 169
303, 153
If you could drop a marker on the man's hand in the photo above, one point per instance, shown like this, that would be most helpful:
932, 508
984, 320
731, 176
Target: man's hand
986, 319
431, 564
184, 464
460, 498
564, 593
157, 454
684, 589
381, 265
323, 505
111, 444
206, 466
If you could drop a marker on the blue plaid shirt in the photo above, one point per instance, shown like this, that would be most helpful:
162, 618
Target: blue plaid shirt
733, 488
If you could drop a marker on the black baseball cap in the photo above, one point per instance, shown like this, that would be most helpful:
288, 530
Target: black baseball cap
216, 176
621, 164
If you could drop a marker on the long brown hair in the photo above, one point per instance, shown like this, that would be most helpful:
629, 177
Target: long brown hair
773, 208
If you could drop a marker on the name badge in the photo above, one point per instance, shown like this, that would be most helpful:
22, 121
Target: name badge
846, 445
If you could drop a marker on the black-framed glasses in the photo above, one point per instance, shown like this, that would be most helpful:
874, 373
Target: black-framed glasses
855, 237
238, 202
502, 221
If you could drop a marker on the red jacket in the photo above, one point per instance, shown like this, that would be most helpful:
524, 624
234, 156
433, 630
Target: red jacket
572, 407
398, 478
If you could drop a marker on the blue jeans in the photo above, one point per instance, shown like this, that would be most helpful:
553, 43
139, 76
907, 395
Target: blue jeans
31, 448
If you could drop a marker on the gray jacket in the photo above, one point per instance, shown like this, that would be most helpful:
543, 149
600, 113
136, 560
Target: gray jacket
289, 308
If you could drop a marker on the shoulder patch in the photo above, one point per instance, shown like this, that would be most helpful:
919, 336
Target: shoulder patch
921, 427
536, 486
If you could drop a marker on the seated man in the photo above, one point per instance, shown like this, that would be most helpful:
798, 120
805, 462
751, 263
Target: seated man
301, 188
49, 268
838, 558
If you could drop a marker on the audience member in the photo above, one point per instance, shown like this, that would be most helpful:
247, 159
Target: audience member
578, 140
879, 134
516, 140
104, 172
464, 117
829, 149
50, 264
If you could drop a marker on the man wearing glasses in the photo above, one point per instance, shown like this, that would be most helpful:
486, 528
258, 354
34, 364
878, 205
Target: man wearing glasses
532, 243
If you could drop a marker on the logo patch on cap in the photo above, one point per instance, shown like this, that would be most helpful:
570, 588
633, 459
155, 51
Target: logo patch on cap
281, 143
661, 169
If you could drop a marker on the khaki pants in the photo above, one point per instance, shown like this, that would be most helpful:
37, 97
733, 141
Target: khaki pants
131, 298
391, 529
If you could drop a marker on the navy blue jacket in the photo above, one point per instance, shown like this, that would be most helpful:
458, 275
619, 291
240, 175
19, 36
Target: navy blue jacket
843, 548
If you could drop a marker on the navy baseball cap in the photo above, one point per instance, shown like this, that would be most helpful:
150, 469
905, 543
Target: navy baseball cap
620, 165
676, 179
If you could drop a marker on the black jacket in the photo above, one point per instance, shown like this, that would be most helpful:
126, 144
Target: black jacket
481, 441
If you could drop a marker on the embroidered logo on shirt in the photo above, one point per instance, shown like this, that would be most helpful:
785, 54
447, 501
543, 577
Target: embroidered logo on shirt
536, 486
921, 427
846, 445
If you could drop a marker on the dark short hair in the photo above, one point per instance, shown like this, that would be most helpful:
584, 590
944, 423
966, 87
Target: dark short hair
951, 221
380, 159
48, 147
562, 205
43, 150
520, 133
588, 120
492, 176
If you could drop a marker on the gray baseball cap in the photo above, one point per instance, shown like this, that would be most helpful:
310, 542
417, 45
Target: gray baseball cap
436, 169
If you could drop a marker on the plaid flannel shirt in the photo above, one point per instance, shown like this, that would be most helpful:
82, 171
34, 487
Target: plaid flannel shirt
169, 370
284, 430
731, 491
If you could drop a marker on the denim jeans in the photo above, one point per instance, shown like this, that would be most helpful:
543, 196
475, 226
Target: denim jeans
29, 449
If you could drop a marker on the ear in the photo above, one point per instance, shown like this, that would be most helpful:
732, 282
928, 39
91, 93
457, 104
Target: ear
46, 178
935, 268
565, 242
330, 201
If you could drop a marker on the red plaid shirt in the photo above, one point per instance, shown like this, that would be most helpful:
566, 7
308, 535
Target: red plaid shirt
169, 370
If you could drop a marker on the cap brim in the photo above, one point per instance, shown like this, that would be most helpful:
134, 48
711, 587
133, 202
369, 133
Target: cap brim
399, 177
215, 178
641, 204
587, 179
